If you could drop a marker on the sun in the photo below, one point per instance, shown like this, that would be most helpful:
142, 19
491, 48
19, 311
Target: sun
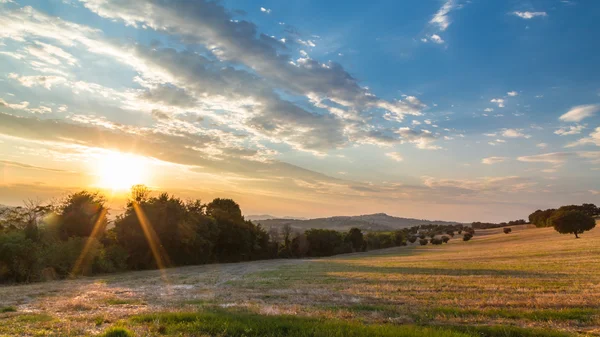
119, 171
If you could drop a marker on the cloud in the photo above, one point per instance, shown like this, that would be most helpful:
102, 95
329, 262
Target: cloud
594, 192
488, 110
493, 160
395, 156
265, 10
542, 145
27, 166
514, 133
423, 139
436, 39
440, 19
529, 15
558, 158
498, 101
580, 112
570, 130
208, 22
482, 184
39, 80
512, 93
594, 138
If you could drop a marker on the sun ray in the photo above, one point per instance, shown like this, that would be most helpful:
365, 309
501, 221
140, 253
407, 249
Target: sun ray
88, 244
158, 252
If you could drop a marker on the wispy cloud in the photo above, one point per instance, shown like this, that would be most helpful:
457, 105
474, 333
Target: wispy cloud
580, 112
440, 19
395, 156
570, 130
493, 160
529, 15
499, 101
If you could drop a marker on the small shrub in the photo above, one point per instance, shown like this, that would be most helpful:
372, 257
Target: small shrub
507, 230
117, 332
435, 241
445, 239
423, 242
467, 236
8, 309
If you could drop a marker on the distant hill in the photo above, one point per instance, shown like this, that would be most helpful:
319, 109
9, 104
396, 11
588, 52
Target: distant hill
369, 222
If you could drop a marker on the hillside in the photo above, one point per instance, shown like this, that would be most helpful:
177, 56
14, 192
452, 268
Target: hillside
368, 222
464, 289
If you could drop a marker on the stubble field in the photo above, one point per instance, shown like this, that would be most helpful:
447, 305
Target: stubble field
532, 282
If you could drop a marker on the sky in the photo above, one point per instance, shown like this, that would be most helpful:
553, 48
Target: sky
455, 110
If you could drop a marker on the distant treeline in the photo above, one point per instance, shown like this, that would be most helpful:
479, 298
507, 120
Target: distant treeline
540, 218
74, 237
486, 225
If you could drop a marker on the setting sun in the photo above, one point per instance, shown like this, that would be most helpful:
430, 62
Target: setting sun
119, 171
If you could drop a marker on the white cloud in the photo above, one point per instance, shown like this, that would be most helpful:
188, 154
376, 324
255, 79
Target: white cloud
570, 130
265, 10
580, 112
542, 145
441, 19
488, 110
436, 39
512, 93
422, 139
529, 15
594, 138
514, 133
498, 101
493, 160
558, 158
395, 156
483, 184
416, 122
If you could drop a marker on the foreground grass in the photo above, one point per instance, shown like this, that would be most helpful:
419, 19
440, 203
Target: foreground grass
236, 324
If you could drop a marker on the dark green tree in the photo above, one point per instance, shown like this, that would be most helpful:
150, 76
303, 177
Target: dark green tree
571, 222
355, 237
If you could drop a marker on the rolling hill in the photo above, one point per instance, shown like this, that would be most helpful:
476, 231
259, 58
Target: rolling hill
368, 222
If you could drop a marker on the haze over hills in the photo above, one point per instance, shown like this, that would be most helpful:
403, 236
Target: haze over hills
367, 222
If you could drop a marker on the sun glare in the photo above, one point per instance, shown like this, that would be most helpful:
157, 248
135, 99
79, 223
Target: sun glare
119, 171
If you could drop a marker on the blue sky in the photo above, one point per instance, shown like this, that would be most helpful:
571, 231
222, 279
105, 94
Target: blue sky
458, 110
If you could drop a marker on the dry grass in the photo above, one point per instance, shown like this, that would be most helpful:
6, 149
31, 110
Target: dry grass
531, 277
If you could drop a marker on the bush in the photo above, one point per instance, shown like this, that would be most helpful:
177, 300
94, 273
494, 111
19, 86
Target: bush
435, 241
445, 239
467, 237
412, 239
117, 332
423, 242
507, 230
18, 258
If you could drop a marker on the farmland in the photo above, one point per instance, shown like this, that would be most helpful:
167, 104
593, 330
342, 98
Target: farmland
533, 281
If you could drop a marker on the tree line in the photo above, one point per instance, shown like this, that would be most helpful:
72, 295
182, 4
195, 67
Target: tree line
570, 219
75, 237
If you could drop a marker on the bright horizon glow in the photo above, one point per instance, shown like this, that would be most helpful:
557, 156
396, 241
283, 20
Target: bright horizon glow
119, 171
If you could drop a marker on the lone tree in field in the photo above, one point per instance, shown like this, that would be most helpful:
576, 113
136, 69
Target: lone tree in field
571, 222
507, 230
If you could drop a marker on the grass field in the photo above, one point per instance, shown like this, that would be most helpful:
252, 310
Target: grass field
533, 282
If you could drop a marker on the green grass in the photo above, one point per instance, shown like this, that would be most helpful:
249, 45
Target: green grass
245, 324
568, 314
8, 309
34, 318
117, 332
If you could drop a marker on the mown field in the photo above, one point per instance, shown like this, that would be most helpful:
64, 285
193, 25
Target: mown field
533, 282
